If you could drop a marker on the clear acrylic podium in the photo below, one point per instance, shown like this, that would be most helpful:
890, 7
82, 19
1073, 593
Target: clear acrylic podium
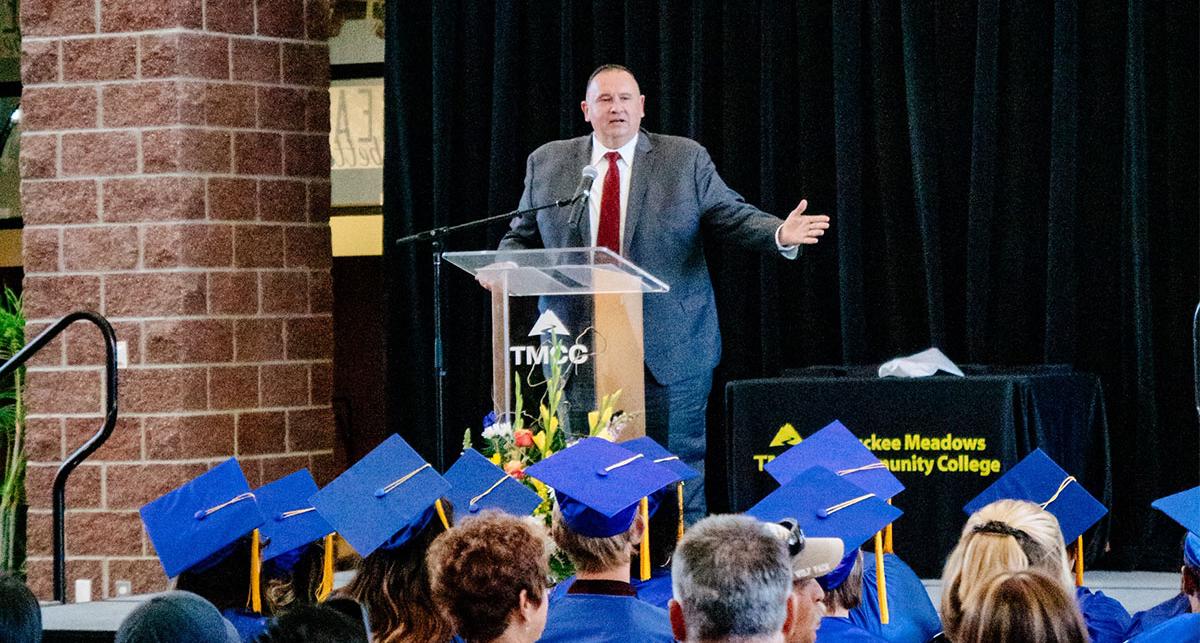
592, 299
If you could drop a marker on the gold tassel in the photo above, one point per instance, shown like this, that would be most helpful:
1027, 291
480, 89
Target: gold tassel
644, 552
881, 580
679, 497
887, 537
442, 513
1079, 561
326, 571
255, 573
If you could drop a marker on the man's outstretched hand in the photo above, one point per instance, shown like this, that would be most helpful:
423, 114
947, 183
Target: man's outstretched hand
802, 229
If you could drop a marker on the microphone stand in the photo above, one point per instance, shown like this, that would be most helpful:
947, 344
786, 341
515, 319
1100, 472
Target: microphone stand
436, 236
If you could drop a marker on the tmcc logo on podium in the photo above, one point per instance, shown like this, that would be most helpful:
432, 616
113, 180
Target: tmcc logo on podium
548, 323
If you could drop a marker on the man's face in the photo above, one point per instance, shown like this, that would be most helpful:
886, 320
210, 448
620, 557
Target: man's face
809, 611
614, 107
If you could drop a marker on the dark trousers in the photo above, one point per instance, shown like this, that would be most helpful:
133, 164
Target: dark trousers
675, 418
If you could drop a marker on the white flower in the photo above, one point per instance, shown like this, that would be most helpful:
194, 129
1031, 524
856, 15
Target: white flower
498, 430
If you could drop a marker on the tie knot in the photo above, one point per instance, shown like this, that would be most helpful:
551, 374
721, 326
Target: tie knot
612, 156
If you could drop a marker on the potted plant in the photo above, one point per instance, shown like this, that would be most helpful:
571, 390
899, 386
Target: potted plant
13, 508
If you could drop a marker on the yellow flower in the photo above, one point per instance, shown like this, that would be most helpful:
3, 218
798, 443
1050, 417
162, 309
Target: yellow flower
539, 440
496, 458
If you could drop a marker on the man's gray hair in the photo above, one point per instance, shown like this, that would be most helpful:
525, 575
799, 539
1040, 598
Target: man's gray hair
731, 576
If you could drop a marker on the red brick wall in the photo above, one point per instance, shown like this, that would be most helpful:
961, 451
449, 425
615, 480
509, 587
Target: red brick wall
175, 178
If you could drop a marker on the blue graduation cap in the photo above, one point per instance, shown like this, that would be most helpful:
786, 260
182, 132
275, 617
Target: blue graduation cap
827, 505
476, 483
291, 520
659, 455
1040, 480
1184, 508
202, 518
384, 499
599, 485
838, 450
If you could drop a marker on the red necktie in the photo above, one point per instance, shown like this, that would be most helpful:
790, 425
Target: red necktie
608, 232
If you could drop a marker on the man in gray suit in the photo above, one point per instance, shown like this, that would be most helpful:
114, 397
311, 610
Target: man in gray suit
654, 199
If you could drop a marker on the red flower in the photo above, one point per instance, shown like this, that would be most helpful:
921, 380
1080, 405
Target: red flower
514, 469
523, 438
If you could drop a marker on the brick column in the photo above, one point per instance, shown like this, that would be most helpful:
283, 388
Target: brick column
175, 178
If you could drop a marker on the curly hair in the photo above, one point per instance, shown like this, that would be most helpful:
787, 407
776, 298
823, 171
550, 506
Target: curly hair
1006, 535
479, 569
1027, 605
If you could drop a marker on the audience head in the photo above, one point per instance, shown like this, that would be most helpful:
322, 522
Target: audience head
732, 579
293, 537
595, 554
319, 624
1006, 535
1181, 507
599, 488
393, 584
846, 594
1190, 580
176, 617
812, 558
1029, 606
20, 615
488, 575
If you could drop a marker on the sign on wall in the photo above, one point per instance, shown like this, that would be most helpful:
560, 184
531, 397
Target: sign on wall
356, 141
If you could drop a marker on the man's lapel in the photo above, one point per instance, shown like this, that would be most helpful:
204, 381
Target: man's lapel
578, 234
643, 174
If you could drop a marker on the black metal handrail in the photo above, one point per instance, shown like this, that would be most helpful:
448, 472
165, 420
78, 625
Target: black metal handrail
59, 497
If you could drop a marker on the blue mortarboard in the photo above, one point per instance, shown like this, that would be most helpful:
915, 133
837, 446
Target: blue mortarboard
384, 498
291, 520
599, 485
1184, 508
826, 505
836, 449
201, 518
658, 455
476, 483
1040, 480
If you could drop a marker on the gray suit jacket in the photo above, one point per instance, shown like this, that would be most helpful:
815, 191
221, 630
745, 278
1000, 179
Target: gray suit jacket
675, 196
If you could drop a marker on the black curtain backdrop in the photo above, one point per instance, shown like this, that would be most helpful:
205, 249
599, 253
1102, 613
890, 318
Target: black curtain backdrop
1015, 182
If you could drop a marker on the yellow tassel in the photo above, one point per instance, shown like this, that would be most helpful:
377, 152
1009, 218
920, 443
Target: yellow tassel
644, 552
881, 580
255, 572
442, 514
326, 571
1079, 561
679, 497
887, 537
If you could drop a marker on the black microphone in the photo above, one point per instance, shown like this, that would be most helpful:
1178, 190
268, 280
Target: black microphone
584, 190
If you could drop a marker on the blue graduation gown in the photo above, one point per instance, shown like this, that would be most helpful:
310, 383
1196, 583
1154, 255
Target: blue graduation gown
1149, 619
598, 618
834, 629
1106, 619
655, 591
1181, 629
248, 624
912, 616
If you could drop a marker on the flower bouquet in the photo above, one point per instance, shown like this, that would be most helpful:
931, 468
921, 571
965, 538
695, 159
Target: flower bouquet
517, 442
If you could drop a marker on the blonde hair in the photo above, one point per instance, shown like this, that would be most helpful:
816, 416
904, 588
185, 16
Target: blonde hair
593, 555
1027, 605
1005, 536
